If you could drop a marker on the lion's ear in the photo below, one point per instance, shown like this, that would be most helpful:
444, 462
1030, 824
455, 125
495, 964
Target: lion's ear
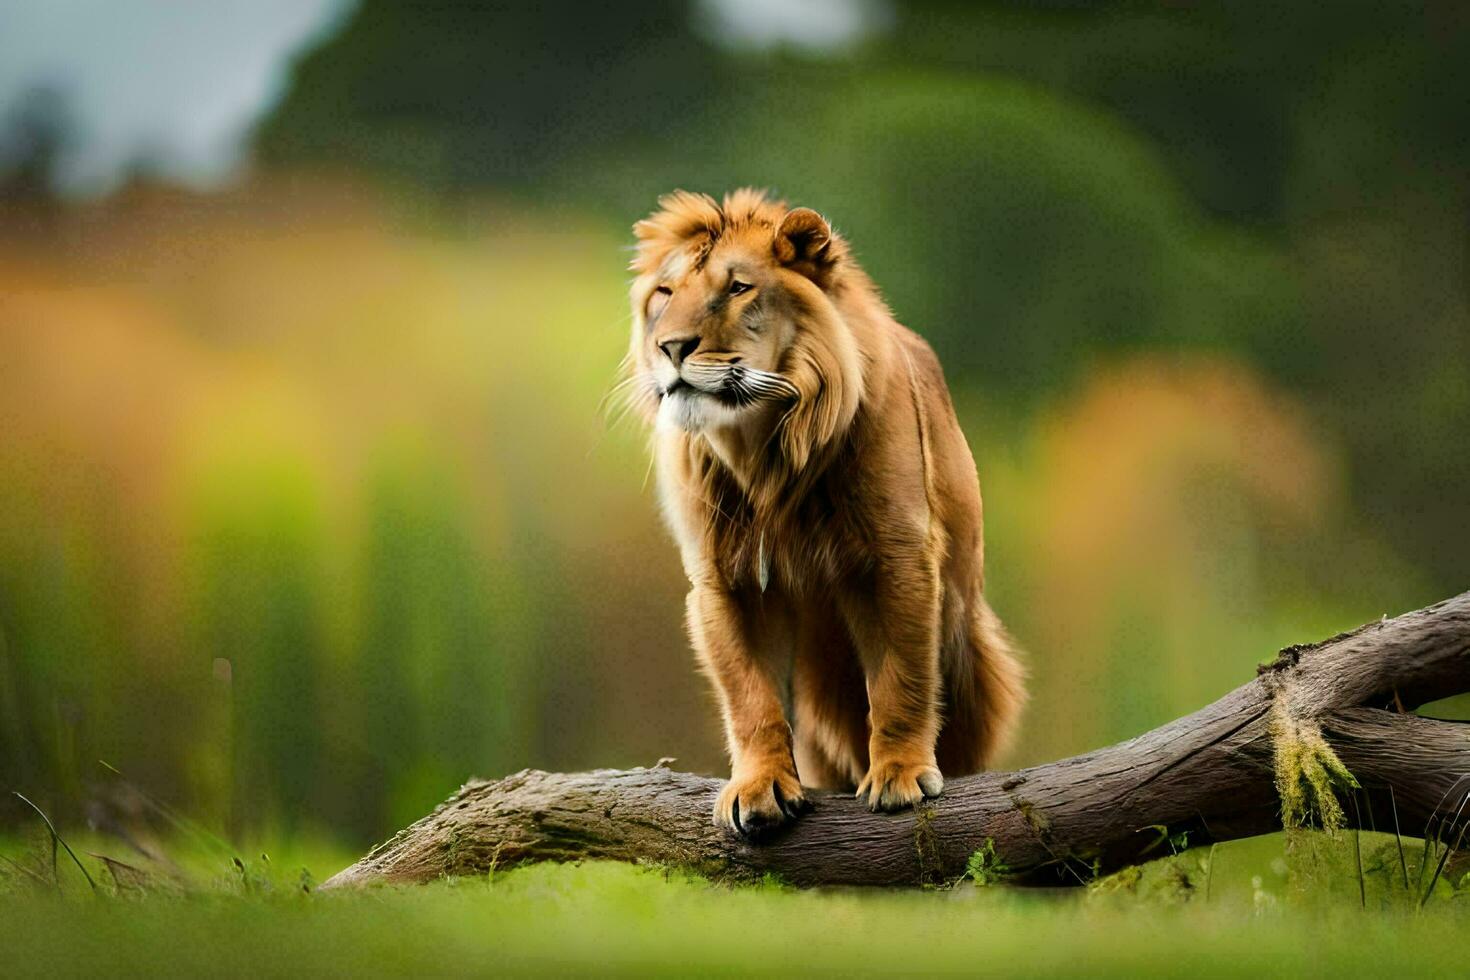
804, 236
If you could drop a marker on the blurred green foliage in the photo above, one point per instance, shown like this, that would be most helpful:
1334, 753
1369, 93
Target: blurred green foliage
306, 513
1035, 185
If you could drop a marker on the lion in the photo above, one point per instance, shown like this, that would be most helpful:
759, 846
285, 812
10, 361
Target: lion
827, 512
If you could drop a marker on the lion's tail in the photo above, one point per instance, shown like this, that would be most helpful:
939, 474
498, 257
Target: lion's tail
985, 697
1002, 681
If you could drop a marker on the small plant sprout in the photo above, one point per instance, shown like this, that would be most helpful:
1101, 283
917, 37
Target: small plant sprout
985, 867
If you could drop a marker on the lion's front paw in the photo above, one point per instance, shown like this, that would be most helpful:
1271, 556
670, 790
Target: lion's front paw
757, 802
893, 784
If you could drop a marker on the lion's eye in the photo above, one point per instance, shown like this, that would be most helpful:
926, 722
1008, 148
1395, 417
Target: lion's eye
737, 287
658, 301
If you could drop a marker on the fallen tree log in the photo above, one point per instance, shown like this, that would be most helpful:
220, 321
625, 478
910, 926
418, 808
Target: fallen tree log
1321, 722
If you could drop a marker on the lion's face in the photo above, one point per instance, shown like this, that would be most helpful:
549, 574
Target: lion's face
715, 332
715, 308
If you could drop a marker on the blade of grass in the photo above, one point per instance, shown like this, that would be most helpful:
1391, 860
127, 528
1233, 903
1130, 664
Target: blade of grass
1433, 827
57, 839
1358, 850
1449, 849
1398, 838
1424, 857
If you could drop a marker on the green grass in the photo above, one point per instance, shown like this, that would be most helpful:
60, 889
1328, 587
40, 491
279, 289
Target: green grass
1269, 911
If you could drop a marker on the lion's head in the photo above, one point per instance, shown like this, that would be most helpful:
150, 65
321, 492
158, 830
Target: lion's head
735, 321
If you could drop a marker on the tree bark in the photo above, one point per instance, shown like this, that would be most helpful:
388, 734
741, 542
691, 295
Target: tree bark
1281, 744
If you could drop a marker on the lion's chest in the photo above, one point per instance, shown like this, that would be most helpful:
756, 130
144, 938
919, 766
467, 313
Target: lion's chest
807, 545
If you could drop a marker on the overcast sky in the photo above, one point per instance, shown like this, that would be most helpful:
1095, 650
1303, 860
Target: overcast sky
179, 82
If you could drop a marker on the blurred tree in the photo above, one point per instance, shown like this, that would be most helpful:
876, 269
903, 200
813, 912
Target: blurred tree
34, 136
1226, 91
458, 94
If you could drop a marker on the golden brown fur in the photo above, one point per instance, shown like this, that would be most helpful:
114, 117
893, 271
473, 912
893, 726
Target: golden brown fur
826, 508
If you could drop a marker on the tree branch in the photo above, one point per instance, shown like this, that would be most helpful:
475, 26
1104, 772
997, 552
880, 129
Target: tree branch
1221, 773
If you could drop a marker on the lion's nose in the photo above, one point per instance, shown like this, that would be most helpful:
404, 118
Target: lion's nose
678, 350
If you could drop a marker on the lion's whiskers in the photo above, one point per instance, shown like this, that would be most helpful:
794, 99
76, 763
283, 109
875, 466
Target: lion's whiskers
636, 390
767, 384
747, 385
